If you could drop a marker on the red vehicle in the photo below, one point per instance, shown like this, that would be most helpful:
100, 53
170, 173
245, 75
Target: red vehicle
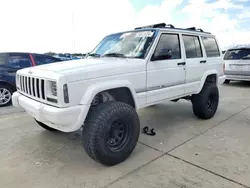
10, 63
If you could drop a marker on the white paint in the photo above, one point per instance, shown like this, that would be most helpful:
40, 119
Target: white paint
150, 82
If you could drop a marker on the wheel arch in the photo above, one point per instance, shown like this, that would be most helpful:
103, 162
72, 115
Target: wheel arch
6, 83
210, 76
121, 90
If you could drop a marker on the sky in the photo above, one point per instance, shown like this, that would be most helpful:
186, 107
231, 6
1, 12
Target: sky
77, 26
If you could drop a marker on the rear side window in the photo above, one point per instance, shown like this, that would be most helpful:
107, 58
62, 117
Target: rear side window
170, 43
2, 59
192, 46
19, 61
237, 54
41, 60
211, 47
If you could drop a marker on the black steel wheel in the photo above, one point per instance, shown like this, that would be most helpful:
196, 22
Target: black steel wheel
118, 135
111, 132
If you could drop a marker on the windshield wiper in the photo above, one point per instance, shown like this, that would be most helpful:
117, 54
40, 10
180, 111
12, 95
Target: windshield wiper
114, 55
94, 55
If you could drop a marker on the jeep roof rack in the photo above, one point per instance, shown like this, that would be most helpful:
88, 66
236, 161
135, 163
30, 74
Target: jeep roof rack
159, 25
163, 25
195, 29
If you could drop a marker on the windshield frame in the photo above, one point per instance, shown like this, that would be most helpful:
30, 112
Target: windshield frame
130, 31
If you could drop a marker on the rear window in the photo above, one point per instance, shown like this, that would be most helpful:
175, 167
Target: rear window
211, 47
237, 54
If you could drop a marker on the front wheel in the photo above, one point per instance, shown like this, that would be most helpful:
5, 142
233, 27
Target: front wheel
205, 103
111, 132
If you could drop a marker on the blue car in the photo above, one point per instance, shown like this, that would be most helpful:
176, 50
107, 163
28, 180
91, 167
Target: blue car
10, 63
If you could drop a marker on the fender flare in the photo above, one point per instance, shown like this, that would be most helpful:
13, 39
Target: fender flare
96, 88
8, 83
204, 77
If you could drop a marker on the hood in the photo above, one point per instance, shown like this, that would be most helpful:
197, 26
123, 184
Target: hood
90, 68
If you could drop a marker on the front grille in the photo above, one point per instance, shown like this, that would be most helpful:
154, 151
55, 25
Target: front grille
32, 86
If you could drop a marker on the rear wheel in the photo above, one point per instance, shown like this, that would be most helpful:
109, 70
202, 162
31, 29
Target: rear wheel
5, 95
45, 126
226, 81
111, 132
205, 103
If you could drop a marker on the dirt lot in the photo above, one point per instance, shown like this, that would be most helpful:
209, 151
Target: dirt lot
185, 152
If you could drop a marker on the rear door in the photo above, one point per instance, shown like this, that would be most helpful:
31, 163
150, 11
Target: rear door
237, 62
195, 62
15, 62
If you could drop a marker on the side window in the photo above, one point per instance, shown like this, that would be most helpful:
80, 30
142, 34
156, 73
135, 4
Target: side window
211, 47
168, 47
192, 46
2, 59
19, 61
41, 60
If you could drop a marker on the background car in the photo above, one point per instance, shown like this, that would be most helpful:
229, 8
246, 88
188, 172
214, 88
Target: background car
237, 64
10, 63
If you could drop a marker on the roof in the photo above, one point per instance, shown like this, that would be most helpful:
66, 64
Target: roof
163, 26
241, 46
168, 27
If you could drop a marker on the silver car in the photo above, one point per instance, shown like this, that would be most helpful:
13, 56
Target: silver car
237, 64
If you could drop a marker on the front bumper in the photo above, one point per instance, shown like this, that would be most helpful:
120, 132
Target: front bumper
64, 119
238, 77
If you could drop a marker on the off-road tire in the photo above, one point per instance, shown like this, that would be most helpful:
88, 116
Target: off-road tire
205, 103
45, 126
226, 81
9, 90
97, 127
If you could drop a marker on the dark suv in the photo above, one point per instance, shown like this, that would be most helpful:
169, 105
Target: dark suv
12, 62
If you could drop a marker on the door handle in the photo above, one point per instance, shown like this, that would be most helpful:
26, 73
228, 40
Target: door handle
203, 61
182, 63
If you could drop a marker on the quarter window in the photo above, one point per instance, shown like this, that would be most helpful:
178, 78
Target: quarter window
211, 47
192, 46
168, 47
41, 60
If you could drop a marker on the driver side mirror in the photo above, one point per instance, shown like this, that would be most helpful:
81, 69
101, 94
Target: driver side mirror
162, 54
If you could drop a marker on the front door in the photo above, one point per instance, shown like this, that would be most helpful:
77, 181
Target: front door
166, 71
14, 63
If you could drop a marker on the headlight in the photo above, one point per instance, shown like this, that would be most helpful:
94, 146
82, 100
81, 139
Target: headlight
53, 88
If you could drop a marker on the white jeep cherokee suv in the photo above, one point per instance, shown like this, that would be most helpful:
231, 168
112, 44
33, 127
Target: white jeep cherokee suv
127, 71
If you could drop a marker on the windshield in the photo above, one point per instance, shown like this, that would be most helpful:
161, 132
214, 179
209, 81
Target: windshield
237, 54
125, 45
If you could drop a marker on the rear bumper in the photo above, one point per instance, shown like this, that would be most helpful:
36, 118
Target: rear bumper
238, 77
64, 119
